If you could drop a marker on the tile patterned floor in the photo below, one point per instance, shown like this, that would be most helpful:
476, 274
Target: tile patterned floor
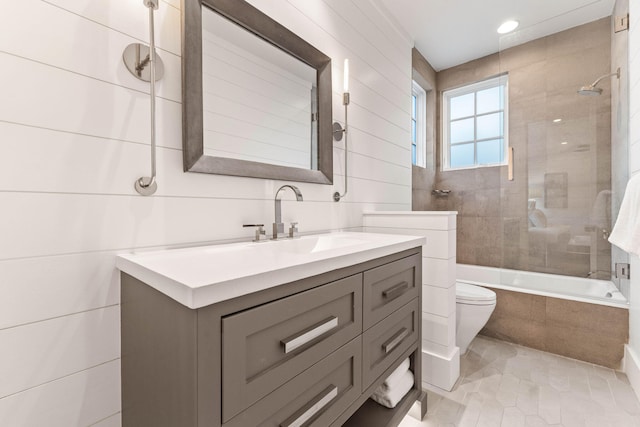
506, 385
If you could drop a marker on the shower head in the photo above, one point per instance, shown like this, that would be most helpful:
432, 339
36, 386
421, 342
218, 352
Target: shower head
592, 90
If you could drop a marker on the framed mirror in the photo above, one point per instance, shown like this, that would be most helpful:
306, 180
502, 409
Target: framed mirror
256, 98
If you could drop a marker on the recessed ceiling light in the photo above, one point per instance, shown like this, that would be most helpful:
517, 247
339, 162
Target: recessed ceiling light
557, 120
507, 27
564, 143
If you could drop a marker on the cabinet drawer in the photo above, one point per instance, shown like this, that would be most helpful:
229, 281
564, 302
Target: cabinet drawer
389, 287
385, 342
266, 346
314, 398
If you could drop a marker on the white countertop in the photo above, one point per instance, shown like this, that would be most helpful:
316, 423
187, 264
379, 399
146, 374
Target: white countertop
200, 276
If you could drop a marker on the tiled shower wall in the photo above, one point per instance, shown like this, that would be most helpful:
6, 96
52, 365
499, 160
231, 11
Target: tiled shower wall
75, 126
544, 75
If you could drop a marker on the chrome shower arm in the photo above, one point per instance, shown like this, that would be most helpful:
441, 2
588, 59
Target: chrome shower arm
616, 73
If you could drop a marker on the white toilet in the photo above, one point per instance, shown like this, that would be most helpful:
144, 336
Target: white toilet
474, 305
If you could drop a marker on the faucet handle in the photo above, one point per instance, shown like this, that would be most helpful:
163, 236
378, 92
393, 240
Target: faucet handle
293, 229
259, 231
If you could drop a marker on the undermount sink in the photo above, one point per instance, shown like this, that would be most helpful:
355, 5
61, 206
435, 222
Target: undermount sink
315, 244
200, 276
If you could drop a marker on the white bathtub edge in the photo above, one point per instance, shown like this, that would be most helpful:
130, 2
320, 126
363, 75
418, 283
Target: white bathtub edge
491, 278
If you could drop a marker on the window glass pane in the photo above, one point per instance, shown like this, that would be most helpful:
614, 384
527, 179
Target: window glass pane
413, 154
490, 100
490, 126
461, 106
462, 155
490, 152
413, 131
414, 102
461, 131
475, 124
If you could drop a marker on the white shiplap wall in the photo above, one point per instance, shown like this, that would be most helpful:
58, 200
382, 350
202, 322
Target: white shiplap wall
74, 132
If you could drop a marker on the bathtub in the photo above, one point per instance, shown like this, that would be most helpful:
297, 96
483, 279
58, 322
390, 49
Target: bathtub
581, 318
602, 292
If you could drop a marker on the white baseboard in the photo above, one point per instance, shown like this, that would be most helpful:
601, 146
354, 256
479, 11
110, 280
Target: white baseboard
440, 371
632, 368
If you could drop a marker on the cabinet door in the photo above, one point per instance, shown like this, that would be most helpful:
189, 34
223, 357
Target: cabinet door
389, 287
387, 340
266, 346
314, 398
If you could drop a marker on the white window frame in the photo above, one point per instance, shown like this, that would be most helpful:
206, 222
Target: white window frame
421, 124
463, 90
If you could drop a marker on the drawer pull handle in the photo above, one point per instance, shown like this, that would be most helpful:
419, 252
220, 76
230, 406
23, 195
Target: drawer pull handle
395, 340
396, 290
312, 408
309, 334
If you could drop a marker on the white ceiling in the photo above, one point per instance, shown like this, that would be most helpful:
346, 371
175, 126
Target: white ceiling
452, 32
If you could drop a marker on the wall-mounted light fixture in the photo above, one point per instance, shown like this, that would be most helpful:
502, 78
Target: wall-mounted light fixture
144, 64
339, 131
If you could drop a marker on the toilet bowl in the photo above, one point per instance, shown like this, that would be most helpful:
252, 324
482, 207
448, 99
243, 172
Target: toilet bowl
474, 305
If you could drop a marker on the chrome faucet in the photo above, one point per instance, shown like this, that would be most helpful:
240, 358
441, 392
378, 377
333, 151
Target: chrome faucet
278, 226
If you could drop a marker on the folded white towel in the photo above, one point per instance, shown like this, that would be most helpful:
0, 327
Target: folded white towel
394, 395
626, 232
396, 375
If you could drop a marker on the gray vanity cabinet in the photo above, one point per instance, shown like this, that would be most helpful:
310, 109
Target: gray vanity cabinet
389, 287
383, 344
335, 379
255, 355
306, 353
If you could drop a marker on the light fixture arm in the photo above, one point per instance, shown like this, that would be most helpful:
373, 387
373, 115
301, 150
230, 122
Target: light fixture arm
338, 132
138, 64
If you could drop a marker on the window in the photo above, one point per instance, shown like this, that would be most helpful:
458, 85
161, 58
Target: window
418, 125
474, 124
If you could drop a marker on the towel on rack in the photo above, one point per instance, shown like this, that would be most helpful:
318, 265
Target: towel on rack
395, 376
395, 394
626, 231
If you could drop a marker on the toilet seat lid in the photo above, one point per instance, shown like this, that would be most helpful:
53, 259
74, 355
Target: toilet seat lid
470, 294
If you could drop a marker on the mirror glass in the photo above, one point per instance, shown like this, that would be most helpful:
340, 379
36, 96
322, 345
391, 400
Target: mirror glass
259, 102
257, 98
